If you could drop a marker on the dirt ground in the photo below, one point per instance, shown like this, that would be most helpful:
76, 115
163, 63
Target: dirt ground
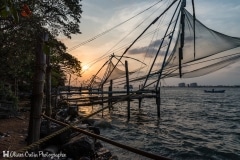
13, 132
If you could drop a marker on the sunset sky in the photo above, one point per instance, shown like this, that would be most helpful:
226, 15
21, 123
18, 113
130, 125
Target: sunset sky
101, 15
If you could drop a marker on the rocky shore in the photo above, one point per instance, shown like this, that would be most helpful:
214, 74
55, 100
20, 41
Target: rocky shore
69, 144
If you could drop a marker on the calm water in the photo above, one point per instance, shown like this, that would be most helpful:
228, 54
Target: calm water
193, 125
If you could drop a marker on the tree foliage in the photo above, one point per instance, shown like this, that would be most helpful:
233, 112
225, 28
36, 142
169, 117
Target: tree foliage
59, 16
27, 36
18, 36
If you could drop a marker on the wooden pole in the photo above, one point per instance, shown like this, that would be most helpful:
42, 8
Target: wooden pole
127, 84
158, 101
139, 102
110, 94
80, 89
139, 99
102, 99
37, 92
69, 83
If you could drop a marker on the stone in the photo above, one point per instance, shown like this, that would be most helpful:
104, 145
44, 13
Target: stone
79, 146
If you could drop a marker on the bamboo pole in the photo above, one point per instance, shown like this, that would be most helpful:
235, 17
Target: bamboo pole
127, 83
110, 94
158, 101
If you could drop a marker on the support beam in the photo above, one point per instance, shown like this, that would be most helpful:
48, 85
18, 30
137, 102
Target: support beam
158, 101
127, 84
110, 95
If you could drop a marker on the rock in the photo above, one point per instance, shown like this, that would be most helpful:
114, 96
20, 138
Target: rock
114, 158
73, 111
2, 135
51, 149
102, 124
84, 158
98, 145
60, 139
61, 115
90, 122
62, 104
82, 126
103, 154
95, 130
79, 146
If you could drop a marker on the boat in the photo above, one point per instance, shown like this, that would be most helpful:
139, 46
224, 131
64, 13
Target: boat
214, 91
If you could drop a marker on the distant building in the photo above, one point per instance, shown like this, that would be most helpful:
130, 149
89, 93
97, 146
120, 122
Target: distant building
193, 85
181, 85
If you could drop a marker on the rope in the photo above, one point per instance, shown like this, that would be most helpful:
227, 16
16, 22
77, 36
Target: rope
37, 143
69, 126
134, 150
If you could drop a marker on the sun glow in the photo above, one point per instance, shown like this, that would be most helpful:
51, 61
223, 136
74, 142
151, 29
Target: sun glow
85, 68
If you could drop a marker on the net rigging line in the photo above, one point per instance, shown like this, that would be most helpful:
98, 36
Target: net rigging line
110, 51
153, 22
230, 59
124, 46
155, 34
127, 44
101, 34
165, 56
169, 72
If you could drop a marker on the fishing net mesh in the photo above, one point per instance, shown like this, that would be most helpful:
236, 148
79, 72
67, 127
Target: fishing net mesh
212, 51
112, 73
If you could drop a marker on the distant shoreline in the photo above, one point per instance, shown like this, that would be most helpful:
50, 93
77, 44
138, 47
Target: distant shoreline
217, 86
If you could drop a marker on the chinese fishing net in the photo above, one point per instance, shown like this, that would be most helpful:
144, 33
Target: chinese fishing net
210, 52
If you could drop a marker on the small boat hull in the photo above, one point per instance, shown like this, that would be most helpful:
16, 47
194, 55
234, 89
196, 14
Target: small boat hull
214, 91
